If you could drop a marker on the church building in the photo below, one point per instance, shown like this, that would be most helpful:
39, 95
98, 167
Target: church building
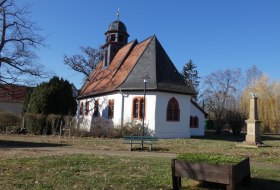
137, 81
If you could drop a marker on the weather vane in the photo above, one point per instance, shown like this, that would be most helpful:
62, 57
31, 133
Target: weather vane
118, 13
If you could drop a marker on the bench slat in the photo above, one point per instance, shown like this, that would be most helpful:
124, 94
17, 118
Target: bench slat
140, 140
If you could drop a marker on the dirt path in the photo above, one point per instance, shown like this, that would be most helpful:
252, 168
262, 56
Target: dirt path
8, 153
22, 147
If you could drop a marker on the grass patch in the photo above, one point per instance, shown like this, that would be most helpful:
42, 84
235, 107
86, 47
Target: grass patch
85, 172
210, 158
81, 171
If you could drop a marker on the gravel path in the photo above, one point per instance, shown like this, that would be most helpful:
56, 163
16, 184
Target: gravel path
6, 153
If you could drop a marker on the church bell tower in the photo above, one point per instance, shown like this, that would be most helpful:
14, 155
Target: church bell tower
116, 38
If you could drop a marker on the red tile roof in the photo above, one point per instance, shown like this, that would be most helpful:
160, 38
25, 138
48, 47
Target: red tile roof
12, 93
107, 80
131, 63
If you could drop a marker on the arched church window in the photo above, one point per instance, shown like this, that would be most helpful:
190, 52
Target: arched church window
111, 109
96, 109
173, 110
87, 108
81, 108
138, 108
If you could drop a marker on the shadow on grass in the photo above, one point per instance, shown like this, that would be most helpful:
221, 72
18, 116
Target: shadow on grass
211, 135
260, 184
270, 137
256, 184
24, 144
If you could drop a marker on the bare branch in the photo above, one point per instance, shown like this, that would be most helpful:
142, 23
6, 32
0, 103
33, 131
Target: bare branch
19, 42
84, 63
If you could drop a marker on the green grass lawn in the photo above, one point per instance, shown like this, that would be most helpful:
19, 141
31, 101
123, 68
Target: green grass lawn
81, 171
85, 172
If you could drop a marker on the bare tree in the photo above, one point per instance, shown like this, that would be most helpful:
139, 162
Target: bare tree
253, 75
84, 63
220, 93
18, 43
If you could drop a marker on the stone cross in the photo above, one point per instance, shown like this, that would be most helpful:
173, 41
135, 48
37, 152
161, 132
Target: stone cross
253, 122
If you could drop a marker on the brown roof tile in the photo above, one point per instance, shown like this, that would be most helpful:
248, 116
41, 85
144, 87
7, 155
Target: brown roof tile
12, 93
108, 79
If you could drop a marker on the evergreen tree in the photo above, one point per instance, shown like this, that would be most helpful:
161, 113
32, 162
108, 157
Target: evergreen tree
27, 99
53, 97
190, 75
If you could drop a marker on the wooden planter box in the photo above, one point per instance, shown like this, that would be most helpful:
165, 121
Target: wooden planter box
230, 175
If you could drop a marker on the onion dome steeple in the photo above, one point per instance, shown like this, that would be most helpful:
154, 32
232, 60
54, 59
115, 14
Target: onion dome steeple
116, 38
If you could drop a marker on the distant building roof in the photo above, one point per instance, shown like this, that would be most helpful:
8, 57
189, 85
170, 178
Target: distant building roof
12, 93
130, 65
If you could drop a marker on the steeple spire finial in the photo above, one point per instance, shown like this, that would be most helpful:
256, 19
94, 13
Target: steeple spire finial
118, 14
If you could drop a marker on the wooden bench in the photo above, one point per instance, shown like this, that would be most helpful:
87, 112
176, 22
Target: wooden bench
140, 140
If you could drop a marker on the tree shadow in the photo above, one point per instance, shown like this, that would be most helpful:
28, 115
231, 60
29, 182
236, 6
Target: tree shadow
256, 184
270, 137
211, 135
222, 137
24, 144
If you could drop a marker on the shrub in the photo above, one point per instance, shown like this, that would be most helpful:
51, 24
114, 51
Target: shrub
103, 128
70, 125
236, 121
9, 122
100, 127
53, 123
35, 123
134, 128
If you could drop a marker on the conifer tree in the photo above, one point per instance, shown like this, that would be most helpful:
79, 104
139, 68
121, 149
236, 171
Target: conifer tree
53, 97
190, 75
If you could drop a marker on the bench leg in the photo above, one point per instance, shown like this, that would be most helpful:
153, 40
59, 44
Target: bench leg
150, 147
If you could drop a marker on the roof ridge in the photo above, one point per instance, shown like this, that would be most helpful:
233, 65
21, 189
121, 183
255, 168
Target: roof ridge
149, 38
152, 36
156, 78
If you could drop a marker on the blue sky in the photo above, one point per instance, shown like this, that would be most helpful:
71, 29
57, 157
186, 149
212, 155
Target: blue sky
215, 34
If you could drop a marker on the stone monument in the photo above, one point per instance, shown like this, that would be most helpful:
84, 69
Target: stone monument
253, 123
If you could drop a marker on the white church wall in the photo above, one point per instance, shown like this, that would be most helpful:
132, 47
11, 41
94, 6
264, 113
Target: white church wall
103, 102
149, 108
155, 116
119, 116
172, 129
201, 121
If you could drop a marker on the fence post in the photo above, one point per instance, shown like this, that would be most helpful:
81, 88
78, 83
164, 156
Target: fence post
60, 129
